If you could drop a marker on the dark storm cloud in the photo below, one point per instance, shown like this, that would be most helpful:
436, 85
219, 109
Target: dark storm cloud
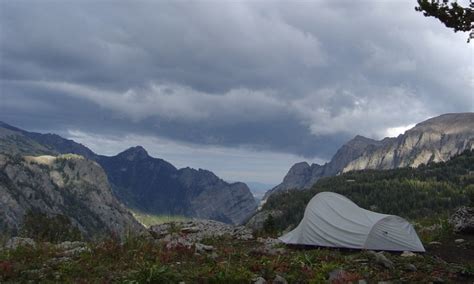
284, 76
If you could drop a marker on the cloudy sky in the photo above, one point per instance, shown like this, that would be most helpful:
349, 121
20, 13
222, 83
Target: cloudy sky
244, 89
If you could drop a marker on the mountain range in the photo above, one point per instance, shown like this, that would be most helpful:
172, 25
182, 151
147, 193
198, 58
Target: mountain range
50, 174
434, 140
145, 183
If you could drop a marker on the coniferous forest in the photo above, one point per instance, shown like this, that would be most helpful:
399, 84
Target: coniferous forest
414, 193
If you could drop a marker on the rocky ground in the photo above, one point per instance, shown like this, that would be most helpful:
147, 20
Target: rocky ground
212, 252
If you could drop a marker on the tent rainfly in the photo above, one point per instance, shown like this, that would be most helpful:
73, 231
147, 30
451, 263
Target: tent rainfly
332, 220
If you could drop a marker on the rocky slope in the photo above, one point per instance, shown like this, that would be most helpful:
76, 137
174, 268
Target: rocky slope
303, 176
67, 185
145, 183
434, 140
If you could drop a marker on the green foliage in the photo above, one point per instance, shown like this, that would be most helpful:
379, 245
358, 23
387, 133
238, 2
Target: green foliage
41, 227
153, 273
145, 260
450, 13
470, 194
430, 190
153, 219
269, 225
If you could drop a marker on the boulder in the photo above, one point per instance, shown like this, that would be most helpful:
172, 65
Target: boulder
408, 254
201, 248
72, 248
279, 280
381, 259
463, 220
270, 247
196, 230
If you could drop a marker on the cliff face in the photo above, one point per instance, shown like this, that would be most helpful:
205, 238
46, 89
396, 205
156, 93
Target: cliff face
68, 185
433, 140
303, 176
212, 198
145, 183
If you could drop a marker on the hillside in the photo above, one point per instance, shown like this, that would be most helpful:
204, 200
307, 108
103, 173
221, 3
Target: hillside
434, 140
145, 183
155, 186
64, 186
414, 193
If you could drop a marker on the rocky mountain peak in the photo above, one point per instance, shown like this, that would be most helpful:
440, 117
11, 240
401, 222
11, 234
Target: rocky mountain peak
449, 123
360, 142
298, 167
434, 140
134, 153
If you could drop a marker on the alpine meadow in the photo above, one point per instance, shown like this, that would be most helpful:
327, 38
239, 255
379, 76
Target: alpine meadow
237, 141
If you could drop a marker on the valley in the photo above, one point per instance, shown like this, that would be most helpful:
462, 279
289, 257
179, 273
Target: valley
70, 215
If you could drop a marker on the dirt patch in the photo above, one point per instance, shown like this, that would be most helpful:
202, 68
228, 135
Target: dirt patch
453, 252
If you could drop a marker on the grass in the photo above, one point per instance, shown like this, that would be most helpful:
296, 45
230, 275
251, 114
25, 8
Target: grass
144, 260
150, 219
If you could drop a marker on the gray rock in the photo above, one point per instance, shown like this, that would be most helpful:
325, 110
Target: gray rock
408, 254
269, 241
279, 280
190, 230
201, 229
459, 241
434, 243
381, 259
57, 185
16, 242
269, 247
200, 248
463, 220
362, 281
71, 249
173, 241
259, 280
68, 245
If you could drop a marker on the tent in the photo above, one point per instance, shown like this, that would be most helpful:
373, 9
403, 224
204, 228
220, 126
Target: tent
332, 220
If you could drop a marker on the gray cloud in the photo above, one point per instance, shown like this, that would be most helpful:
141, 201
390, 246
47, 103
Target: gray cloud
291, 77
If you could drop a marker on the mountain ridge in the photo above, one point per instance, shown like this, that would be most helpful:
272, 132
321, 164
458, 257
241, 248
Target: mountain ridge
144, 182
63, 185
433, 140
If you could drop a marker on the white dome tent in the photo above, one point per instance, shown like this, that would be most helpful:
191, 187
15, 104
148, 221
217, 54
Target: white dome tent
332, 220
